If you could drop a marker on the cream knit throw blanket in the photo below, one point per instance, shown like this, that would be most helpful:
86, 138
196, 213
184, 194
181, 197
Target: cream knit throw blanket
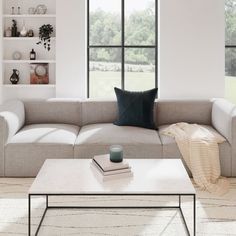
199, 148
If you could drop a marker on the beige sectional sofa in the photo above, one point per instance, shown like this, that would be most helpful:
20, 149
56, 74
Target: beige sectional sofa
33, 131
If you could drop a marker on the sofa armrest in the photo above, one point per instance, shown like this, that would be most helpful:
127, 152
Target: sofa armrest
12, 118
224, 119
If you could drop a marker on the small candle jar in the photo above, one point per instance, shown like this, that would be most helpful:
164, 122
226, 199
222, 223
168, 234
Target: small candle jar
116, 153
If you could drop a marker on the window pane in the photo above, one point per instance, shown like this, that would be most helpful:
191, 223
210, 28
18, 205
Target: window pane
230, 24
230, 70
105, 72
105, 22
140, 22
230, 62
139, 69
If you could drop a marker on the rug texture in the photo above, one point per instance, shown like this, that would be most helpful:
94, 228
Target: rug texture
216, 216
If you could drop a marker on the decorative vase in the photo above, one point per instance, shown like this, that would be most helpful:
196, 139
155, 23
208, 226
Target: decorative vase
24, 31
15, 76
18, 11
30, 33
13, 10
14, 32
8, 32
31, 11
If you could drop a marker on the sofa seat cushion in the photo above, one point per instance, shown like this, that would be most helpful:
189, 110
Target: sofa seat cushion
171, 150
137, 142
32, 145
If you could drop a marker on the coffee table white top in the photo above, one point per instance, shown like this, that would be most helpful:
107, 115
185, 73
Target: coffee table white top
75, 176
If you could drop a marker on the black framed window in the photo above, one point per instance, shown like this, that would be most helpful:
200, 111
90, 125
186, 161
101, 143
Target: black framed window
121, 46
230, 38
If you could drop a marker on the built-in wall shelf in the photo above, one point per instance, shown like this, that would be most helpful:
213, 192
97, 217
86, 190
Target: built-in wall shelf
27, 61
30, 16
27, 70
29, 86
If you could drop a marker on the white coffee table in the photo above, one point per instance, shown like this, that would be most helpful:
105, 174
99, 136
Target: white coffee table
74, 177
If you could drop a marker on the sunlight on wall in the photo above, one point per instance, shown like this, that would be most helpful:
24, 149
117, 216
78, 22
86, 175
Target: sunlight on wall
230, 88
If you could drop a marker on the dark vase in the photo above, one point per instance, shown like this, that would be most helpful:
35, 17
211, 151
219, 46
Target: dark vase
14, 31
15, 77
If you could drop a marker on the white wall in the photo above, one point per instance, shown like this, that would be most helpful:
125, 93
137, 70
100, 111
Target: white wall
191, 55
191, 60
71, 47
1, 49
191, 48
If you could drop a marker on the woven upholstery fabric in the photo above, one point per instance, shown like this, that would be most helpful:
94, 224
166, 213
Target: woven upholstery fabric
224, 121
189, 111
54, 111
137, 142
32, 145
12, 118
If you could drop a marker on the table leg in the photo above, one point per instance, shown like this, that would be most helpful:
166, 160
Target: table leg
194, 214
46, 201
44, 213
29, 215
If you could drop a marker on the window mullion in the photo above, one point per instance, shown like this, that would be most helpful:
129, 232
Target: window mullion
122, 44
88, 50
156, 43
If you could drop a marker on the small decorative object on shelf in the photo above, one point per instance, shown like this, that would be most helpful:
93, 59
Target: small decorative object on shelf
116, 153
45, 32
14, 32
39, 73
41, 9
16, 55
13, 10
15, 76
18, 11
32, 55
31, 11
30, 33
8, 32
23, 32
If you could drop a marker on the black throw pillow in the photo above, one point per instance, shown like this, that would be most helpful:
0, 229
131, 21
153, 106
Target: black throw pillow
135, 108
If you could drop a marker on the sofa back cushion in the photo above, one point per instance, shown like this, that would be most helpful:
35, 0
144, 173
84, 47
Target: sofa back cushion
73, 111
190, 111
99, 111
64, 111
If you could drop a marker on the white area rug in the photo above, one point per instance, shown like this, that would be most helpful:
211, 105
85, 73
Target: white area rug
215, 215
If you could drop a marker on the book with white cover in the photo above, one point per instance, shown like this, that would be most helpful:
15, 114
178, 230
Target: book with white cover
112, 172
106, 165
101, 177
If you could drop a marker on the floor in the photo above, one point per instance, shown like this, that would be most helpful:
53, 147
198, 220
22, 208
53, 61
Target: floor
215, 215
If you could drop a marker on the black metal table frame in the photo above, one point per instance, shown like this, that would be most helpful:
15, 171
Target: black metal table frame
112, 207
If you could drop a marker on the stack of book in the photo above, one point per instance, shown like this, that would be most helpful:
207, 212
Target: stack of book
107, 170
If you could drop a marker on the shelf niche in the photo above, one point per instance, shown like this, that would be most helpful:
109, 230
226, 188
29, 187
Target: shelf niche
24, 45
